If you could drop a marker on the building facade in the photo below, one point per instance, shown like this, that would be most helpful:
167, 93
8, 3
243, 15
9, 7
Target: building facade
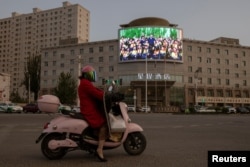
24, 35
213, 73
4, 87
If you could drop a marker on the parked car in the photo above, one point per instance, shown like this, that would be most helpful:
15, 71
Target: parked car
229, 109
10, 108
143, 109
131, 108
31, 107
242, 110
205, 109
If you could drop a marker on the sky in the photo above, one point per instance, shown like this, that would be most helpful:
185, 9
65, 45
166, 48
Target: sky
200, 19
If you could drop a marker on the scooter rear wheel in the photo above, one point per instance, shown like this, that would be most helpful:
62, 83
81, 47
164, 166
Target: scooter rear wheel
56, 153
135, 143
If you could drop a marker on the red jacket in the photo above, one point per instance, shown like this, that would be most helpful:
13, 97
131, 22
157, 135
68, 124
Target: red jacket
91, 103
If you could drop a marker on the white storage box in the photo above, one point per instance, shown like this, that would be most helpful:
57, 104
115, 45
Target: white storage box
48, 103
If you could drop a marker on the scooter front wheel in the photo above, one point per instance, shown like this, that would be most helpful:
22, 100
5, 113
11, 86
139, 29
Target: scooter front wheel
55, 153
135, 143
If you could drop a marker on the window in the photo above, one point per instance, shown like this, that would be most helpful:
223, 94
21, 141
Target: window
72, 52
226, 52
190, 69
199, 49
209, 70
208, 50
100, 69
91, 50
244, 63
111, 58
227, 62
111, 68
189, 48
100, 49
218, 81
72, 61
236, 55
189, 58
244, 82
54, 63
236, 65
218, 71
218, 61
227, 82
62, 56
218, 51
54, 53
226, 71
236, 75
111, 48
209, 81
209, 60
100, 59
54, 72
81, 51
190, 80
199, 59
46, 64
91, 60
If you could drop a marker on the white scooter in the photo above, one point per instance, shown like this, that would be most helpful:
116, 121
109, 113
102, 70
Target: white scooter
69, 132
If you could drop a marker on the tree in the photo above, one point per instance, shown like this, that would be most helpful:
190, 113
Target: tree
66, 89
32, 72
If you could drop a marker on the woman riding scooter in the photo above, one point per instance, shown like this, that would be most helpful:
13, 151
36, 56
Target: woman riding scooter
91, 106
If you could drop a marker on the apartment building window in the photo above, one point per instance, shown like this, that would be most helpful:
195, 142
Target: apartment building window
218, 71
227, 71
235, 55
199, 59
72, 52
45, 73
54, 72
71, 71
111, 68
199, 49
111, 58
100, 59
244, 82
111, 48
226, 52
190, 69
237, 86
81, 51
218, 81
46, 64
228, 93
244, 72
190, 80
91, 50
54, 63
62, 65
54, 53
72, 61
218, 51
227, 82
219, 93
243, 53
236, 65
189, 58
91, 60
236, 75
244, 63
209, 81
227, 62
189, 48
100, 49
208, 50
218, 61
100, 69
46, 54
62, 56
209, 60
210, 93
209, 70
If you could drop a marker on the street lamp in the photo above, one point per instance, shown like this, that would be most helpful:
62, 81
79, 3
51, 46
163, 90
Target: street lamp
196, 79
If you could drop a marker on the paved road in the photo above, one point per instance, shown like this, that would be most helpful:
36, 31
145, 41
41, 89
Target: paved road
173, 141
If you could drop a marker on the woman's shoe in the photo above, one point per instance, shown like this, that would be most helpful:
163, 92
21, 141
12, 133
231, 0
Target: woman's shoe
100, 158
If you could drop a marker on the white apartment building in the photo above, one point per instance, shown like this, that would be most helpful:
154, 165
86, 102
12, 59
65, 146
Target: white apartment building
24, 35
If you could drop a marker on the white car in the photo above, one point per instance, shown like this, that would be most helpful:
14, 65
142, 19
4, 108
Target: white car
131, 108
206, 109
144, 109
10, 108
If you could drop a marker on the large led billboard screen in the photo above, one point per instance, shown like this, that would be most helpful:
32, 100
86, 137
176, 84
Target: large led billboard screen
150, 43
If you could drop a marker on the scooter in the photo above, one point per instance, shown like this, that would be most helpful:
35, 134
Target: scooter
69, 131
